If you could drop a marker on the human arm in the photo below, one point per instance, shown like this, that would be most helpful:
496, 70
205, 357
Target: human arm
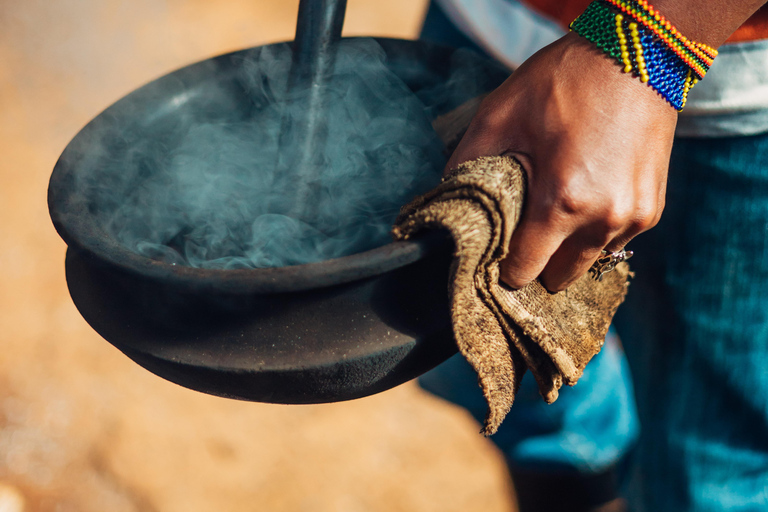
594, 142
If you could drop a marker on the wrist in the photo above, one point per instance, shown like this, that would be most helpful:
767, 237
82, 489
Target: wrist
646, 45
709, 22
603, 74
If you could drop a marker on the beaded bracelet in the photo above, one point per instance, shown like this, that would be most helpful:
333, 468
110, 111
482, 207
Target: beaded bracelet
646, 44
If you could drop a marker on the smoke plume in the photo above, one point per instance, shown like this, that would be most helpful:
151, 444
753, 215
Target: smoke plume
205, 197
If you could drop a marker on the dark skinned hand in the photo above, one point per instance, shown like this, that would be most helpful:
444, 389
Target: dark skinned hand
595, 144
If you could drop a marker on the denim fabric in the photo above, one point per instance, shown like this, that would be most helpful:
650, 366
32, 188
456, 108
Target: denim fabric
588, 429
695, 327
695, 330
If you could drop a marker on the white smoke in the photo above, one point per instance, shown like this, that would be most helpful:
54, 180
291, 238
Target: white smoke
204, 197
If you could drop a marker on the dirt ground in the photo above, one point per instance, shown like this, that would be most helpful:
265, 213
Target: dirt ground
82, 428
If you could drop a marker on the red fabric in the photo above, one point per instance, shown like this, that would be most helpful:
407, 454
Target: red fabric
754, 28
565, 11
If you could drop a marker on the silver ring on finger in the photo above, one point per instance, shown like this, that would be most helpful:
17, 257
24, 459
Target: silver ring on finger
607, 262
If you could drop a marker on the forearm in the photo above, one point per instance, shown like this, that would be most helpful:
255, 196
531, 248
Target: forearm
710, 21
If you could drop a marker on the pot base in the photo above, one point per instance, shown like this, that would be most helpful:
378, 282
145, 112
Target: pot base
248, 355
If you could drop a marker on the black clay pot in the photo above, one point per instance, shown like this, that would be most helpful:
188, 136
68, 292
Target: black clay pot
320, 332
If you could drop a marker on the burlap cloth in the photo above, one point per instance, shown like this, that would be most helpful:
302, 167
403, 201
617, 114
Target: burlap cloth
501, 331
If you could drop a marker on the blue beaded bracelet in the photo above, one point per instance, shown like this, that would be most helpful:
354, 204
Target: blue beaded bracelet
647, 45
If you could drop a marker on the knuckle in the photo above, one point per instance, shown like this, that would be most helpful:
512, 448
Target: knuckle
613, 217
644, 223
570, 201
617, 219
646, 216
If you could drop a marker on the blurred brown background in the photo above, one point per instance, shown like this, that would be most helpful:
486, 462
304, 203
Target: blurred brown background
82, 428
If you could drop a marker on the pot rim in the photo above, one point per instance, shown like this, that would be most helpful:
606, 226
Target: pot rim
77, 226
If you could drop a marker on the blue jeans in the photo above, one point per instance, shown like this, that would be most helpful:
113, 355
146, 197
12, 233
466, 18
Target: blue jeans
588, 429
695, 331
695, 327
